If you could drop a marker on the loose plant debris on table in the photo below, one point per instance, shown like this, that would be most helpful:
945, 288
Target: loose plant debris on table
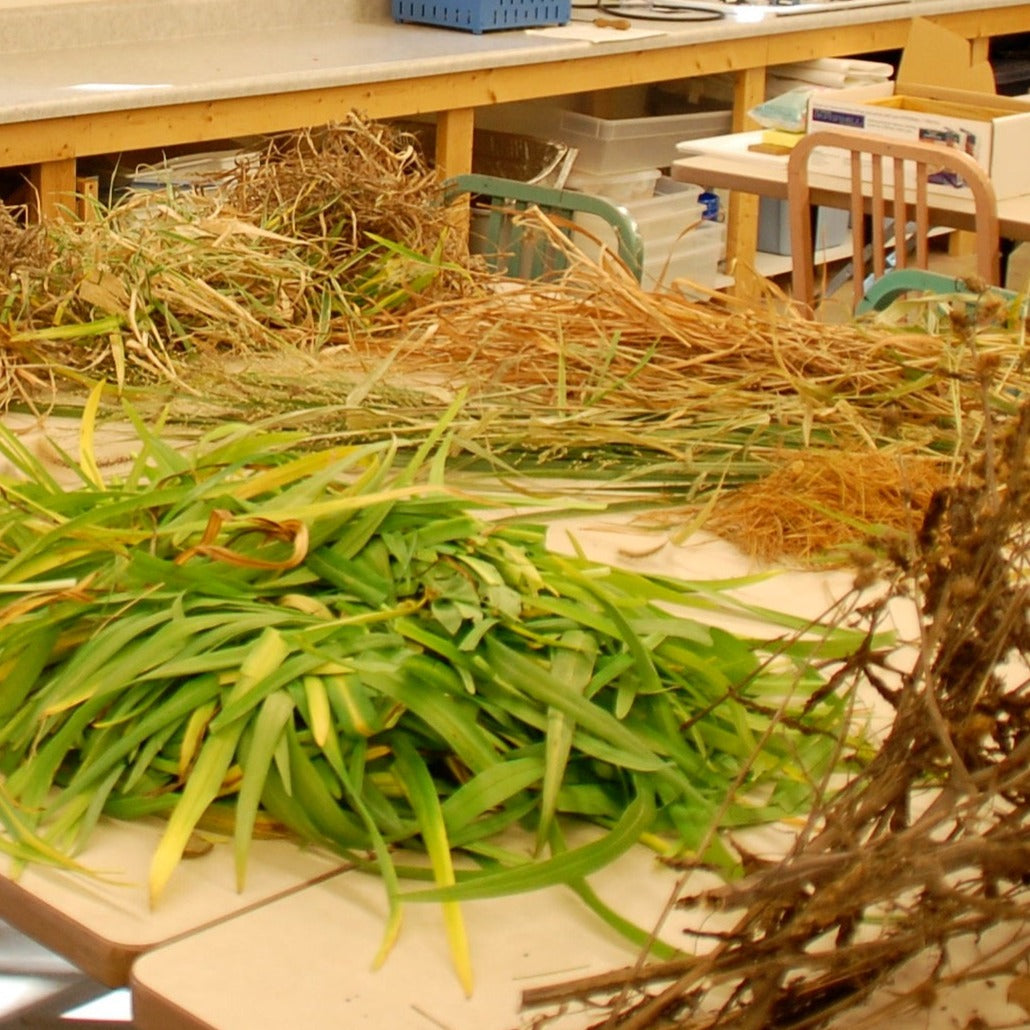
353, 649
325, 286
822, 507
926, 852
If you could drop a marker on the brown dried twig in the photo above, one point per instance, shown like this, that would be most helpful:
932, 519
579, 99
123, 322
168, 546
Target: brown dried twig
928, 847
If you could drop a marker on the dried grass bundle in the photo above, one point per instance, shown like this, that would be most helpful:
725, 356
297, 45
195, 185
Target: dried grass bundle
322, 271
340, 184
820, 505
594, 335
301, 243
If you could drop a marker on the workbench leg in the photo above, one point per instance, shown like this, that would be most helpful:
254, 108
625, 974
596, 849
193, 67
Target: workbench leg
87, 196
454, 141
53, 188
454, 131
742, 213
980, 50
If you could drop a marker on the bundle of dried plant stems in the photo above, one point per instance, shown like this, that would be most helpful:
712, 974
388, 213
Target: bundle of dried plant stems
914, 877
322, 287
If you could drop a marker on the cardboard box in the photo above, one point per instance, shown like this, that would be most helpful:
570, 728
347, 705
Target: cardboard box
994, 130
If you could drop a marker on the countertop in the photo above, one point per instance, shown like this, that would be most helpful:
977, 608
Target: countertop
87, 56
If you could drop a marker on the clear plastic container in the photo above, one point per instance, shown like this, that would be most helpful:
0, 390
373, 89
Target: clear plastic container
673, 206
693, 256
621, 187
609, 145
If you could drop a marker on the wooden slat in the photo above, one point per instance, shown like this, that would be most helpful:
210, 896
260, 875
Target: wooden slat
87, 193
921, 158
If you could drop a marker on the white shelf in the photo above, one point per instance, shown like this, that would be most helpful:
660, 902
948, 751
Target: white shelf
769, 265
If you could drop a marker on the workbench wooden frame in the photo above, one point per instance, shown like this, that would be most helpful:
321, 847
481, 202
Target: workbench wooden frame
50, 147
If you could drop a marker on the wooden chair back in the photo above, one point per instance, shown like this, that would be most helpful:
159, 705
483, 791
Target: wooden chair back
901, 195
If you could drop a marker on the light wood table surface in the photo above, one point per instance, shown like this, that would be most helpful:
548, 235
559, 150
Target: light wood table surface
316, 947
102, 924
724, 162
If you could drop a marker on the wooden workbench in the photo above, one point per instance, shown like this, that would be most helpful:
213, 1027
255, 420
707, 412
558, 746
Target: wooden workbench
90, 77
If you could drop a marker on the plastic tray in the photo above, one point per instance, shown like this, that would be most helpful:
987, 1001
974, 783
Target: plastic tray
483, 15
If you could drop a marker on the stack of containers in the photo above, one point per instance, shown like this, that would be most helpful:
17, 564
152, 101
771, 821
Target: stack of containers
621, 159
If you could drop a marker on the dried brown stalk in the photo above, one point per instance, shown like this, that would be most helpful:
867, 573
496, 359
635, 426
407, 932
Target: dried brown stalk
820, 506
928, 848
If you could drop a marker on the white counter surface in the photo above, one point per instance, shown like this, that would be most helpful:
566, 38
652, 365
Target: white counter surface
88, 56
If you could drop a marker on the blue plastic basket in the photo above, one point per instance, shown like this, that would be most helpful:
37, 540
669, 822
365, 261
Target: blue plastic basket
483, 15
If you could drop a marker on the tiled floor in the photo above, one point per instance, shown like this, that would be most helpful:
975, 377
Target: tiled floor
38, 988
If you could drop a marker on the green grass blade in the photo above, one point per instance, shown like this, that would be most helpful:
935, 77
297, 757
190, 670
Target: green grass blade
201, 789
256, 760
562, 868
421, 791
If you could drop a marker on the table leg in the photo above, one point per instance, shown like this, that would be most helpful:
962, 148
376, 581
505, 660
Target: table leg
87, 195
454, 141
454, 132
980, 49
53, 188
742, 213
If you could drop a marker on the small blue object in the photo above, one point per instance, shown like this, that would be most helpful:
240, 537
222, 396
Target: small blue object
710, 202
483, 15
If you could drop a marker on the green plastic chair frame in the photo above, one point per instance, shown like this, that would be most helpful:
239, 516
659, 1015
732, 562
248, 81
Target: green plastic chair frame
525, 254
897, 282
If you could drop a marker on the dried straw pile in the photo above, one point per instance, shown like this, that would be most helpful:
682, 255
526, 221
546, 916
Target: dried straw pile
321, 289
818, 504
286, 253
338, 186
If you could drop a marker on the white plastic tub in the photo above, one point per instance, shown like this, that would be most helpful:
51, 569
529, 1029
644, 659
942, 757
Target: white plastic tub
620, 187
610, 145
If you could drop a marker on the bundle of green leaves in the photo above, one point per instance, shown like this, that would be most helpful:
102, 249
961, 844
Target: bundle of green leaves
352, 648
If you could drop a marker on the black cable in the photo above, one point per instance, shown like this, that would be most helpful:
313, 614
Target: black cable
661, 10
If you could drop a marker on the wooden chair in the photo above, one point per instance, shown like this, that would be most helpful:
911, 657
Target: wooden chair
900, 196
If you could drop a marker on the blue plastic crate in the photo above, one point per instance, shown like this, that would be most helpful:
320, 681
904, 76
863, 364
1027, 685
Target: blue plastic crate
483, 15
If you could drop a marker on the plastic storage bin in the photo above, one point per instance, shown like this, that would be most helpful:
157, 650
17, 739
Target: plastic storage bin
672, 208
678, 244
831, 226
482, 15
619, 187
612, 145
692, 256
